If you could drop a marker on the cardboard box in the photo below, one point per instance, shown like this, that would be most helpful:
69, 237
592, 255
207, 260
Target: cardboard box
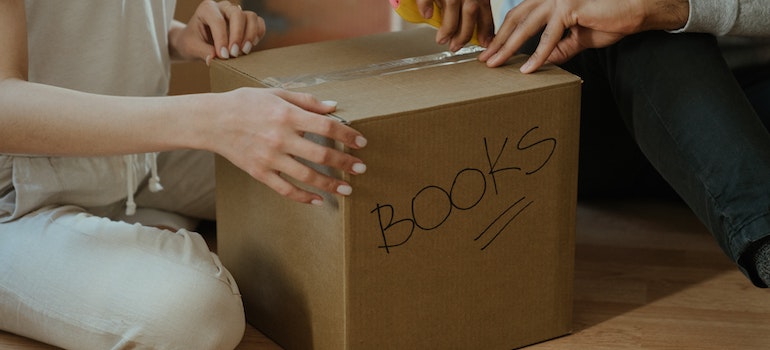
461, 233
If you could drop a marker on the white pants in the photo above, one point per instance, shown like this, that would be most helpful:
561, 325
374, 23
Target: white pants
81, 281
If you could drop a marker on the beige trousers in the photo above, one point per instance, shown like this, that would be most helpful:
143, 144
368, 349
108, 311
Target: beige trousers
78, 280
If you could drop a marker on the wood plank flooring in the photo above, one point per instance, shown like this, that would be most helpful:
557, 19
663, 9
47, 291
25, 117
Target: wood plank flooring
648, 276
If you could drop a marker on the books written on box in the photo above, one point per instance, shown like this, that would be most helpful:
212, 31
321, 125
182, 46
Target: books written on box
461, 233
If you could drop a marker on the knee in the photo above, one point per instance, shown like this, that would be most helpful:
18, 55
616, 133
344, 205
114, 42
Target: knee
191, 310
207, 314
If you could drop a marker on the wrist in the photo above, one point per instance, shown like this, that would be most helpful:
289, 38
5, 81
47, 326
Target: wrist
174, 41
200, 122
665, 14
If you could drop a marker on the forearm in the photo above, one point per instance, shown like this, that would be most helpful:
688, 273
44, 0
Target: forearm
45, 120
720, 17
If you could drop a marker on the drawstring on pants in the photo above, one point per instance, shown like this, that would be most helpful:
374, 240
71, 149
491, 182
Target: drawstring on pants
152, 159
132, 160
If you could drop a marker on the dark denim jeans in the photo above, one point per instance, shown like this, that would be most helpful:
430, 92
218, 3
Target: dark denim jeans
663, 111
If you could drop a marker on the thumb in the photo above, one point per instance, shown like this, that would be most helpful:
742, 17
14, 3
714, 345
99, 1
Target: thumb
425, 7
203, 51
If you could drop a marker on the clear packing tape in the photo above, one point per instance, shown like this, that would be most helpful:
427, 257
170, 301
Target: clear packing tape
466, 54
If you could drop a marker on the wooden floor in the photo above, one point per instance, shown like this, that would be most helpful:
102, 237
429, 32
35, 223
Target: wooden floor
648, 276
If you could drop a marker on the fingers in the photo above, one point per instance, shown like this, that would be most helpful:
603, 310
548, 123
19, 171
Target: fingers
236, 20
283, 154
450, 21
566, 48
551, 36
289, 168
476, 19
255, 30
426, 8
287, 189
460, 21
284, 149
519, 25
232, 30
288, 164
485, 28
321, 125
509, 38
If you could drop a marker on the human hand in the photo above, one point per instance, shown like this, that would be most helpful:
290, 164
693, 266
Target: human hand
590, 24
264, 137
217, 29
460, 18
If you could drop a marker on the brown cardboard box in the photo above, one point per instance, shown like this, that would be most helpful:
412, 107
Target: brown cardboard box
461, 233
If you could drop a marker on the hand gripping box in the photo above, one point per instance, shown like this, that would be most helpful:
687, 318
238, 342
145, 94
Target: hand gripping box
461, 233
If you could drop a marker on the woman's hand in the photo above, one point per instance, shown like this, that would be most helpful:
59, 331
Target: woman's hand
263, 135
216, 29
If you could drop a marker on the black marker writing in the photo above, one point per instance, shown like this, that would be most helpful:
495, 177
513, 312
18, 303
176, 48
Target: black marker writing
472, 182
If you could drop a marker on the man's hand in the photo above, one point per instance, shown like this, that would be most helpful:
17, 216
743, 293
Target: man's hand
571, 26
460, 18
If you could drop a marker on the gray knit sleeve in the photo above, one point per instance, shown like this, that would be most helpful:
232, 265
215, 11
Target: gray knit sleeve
729, 17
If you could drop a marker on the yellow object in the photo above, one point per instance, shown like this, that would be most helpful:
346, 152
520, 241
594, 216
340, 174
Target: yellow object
409, 11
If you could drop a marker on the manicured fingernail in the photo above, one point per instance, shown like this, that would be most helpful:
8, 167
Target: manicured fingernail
443, 40
235, 50
361, 141
208, 60
247, 48
345, 190
330, 103
317, 202
223, 53
359, 168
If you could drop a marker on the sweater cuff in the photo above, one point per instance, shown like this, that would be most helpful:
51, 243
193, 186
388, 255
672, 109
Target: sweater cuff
711, 16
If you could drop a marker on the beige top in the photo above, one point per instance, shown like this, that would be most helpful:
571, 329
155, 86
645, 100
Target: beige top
112, 47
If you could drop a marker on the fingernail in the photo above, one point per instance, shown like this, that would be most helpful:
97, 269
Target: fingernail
208, 60
494, 59
443, 40
525, 67
330, 103
428, 13
317, 202
223, 53
235, 50
359, 168
345, 190
247, 48
361, 141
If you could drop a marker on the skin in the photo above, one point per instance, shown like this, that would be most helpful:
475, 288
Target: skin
591, 24
459, 19
259, 130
